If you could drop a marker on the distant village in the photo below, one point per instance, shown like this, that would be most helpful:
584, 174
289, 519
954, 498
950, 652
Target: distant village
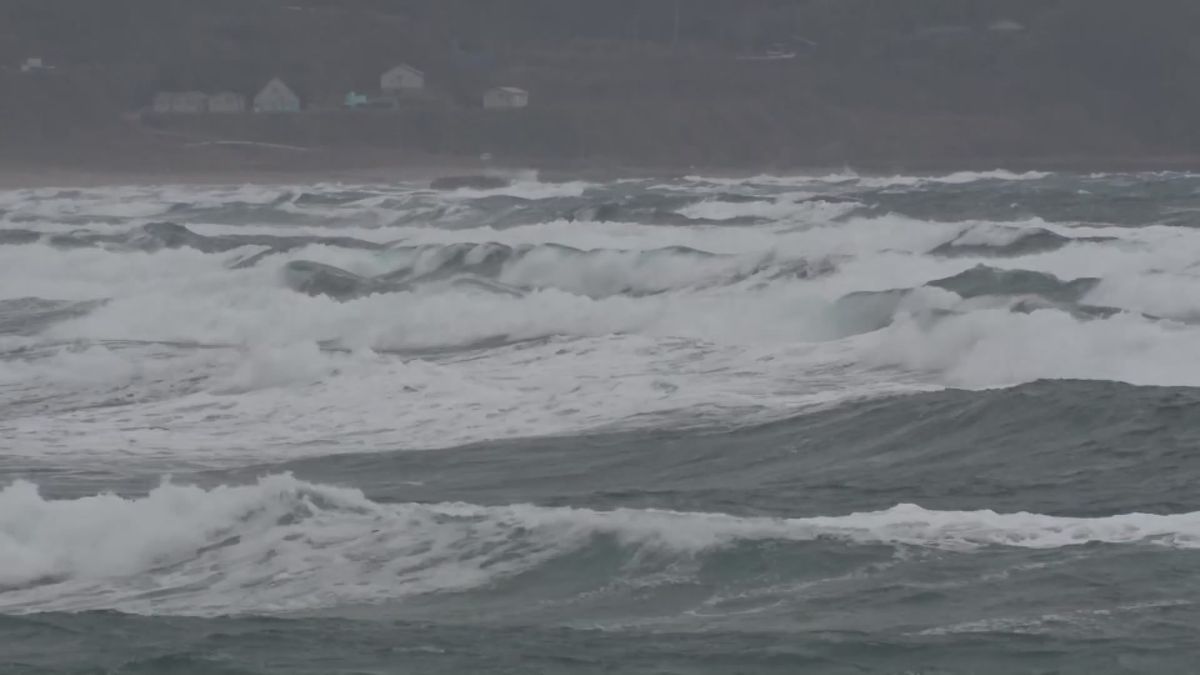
761, 91
405, 86
399, 86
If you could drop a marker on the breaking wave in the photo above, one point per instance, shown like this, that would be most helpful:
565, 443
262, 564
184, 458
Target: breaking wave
632, 304
286, 545
884, 411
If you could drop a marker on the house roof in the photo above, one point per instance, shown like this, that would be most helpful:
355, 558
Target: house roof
405, 66
510, 90
1005, 25
276, 83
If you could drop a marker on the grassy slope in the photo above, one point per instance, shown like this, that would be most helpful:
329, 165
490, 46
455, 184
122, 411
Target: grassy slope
1088, 77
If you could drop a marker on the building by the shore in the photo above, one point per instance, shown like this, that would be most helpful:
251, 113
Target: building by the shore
33, 64
505, 98
402, 80
276, 97
227, 102
180, 102
1006, 26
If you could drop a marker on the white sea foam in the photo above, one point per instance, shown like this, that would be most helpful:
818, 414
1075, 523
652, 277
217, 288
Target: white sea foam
70, 368
881, 181
869, 180
957, 178
636, 329
237, 406
995, 234
287, 545
996, 348
797, 206
190, 363
1175, 296
961, 177
525, 185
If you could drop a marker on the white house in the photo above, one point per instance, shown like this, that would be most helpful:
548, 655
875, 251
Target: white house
162, 102
33, 64
226, 102
180, 102
505, 98
402, 79
276, 97
1006, 26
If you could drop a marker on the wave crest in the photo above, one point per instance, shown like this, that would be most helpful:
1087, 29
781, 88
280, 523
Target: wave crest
284, 544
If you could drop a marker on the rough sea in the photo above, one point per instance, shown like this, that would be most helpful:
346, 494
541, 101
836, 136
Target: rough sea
824, 424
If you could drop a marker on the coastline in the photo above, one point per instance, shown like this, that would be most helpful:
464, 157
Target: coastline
263, 164
93, 166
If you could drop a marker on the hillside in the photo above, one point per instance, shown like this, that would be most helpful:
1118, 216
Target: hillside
662, 82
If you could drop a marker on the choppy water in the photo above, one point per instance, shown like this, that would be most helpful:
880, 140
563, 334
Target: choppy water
831, 424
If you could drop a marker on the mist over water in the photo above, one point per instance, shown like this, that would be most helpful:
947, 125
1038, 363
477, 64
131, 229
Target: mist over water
830, 423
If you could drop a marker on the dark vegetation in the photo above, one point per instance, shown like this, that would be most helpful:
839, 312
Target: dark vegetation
637, 81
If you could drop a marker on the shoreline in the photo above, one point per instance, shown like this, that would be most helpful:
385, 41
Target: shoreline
255, 164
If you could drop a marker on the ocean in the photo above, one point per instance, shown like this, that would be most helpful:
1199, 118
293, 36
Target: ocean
808, 424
